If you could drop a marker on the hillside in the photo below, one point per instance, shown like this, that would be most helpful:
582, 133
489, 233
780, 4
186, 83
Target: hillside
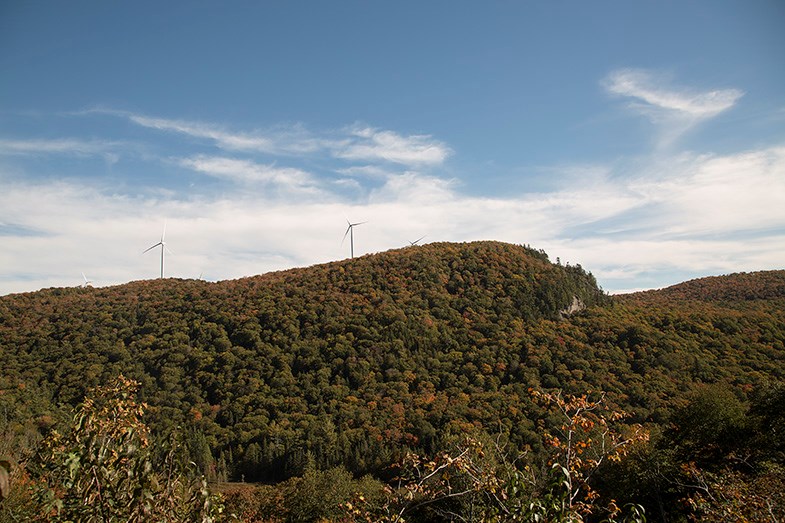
355, 361
739, 287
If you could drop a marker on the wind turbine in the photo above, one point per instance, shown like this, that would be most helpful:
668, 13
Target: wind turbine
415, 242
350, 233
87, 283
162, 243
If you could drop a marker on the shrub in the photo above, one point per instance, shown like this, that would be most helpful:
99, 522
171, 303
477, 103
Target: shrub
105, 468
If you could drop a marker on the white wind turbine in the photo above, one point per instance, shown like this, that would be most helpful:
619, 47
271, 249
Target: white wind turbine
350, 233
415, 242
162, 243
87, 283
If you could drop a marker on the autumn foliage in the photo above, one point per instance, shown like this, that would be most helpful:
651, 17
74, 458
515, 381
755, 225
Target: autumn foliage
105, 468
354, 366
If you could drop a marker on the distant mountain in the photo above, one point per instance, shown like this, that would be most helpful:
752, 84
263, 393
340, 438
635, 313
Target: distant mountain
353, 362
764, 285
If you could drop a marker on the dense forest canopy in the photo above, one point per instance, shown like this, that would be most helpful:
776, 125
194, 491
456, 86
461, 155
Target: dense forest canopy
355, 362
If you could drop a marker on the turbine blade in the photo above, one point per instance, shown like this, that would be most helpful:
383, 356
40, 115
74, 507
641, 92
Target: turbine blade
153, 247
349, 228
163, 234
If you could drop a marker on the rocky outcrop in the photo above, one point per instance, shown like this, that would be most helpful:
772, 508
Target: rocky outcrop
576, 306
5, 473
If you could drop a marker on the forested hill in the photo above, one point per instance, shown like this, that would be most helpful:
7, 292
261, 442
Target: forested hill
355, 361
744, 286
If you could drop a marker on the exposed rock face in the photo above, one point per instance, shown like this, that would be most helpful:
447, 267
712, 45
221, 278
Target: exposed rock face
576, 306
5, 472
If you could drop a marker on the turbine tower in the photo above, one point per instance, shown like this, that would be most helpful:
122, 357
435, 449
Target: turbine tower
350, 233
162, 243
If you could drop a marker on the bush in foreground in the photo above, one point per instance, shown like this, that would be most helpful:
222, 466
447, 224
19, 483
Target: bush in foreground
105, 468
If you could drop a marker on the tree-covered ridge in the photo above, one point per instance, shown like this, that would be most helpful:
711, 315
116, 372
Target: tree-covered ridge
743, 286
353, 363
412, 290
330, 339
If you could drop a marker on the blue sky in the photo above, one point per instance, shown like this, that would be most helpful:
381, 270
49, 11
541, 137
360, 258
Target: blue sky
643, 140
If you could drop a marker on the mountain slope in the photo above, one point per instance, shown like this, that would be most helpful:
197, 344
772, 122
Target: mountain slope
352, 362
763, 285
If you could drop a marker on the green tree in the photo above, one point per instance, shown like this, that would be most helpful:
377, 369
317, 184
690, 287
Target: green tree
711, 424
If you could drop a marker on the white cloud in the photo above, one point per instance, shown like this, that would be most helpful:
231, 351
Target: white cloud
249, 172
675, 110
290, 140
367, 171
370, 144
648, 88
708, 194
358, 143
224, 139
414, 188
56, 146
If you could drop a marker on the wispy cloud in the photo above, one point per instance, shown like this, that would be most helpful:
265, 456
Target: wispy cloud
367, 171
369, 144
354, 144
222, 138
674, 109
249, 172
654, 96
56, 146
217, 134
